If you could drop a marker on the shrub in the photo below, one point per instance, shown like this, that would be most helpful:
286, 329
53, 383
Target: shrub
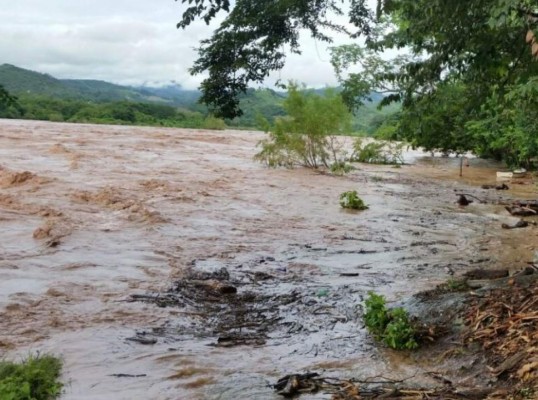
214, 123
392, 326
377, 152
36, 378
341, 168
304, 135
352, 200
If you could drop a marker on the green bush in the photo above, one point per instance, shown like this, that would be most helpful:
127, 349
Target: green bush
303, 136
341, 168
214, 123
352, 200
36, 378
377, 152
392, 326
376, 315
399, 333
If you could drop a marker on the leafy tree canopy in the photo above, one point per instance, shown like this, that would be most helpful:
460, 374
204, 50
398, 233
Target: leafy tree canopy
249, 43
478, 42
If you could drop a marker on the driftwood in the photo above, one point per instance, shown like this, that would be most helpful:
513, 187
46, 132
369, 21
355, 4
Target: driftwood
523, 208
290, 385
504, 186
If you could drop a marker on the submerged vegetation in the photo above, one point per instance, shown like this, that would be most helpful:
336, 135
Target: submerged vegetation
377, 152
36, 378
305, 136
351, 200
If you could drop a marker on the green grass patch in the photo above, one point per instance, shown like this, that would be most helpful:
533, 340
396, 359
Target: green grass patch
36, 378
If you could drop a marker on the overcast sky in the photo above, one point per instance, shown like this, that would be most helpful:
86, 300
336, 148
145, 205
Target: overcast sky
123, 41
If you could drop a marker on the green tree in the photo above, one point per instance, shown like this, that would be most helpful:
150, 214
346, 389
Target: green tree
507, 126
305, 135
249, 43
480, 42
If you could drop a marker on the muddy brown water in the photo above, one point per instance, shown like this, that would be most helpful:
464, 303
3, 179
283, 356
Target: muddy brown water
91, 215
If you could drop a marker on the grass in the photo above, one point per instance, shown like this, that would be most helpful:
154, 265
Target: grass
35, 378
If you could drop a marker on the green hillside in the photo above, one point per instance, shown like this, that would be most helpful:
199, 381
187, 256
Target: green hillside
19, 81
45, 97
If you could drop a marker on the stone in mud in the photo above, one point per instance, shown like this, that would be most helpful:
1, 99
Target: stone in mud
518, 224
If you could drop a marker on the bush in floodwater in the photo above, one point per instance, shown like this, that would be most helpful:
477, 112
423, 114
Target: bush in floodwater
392, 326
306, 136
377, 152
213, 123
352, 200
341, 168
35, 378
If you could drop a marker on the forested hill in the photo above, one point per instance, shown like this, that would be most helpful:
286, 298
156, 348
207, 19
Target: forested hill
45, 97
20, 81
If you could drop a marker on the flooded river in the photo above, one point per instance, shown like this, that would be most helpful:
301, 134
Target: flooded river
93, 215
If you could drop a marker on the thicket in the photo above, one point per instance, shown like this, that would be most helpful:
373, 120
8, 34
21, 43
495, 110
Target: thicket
36, 378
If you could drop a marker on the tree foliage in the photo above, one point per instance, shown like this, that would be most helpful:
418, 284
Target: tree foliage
462, 66
305, 136
249, 43
480, 40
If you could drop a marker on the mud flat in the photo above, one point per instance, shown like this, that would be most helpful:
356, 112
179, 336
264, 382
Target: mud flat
105, 229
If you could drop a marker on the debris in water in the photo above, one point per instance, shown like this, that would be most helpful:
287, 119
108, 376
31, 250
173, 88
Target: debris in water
519, 224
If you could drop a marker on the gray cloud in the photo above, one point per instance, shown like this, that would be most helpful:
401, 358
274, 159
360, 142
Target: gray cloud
124, 41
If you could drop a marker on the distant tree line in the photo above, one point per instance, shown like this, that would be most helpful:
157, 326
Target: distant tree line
256, 103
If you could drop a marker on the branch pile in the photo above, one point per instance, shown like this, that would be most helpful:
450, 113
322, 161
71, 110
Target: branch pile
505, 324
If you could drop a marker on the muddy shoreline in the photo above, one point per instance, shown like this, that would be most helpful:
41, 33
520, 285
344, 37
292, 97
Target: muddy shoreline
94, 215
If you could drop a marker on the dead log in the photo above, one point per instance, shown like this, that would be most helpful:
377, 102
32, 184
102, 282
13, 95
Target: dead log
520, 211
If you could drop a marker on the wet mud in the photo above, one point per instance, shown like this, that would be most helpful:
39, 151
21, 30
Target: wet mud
166, 264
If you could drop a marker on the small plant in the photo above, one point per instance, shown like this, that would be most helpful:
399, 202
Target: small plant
36, 378
456, 285
526, 392
399, 334
376, 316
392, 326
352, 200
